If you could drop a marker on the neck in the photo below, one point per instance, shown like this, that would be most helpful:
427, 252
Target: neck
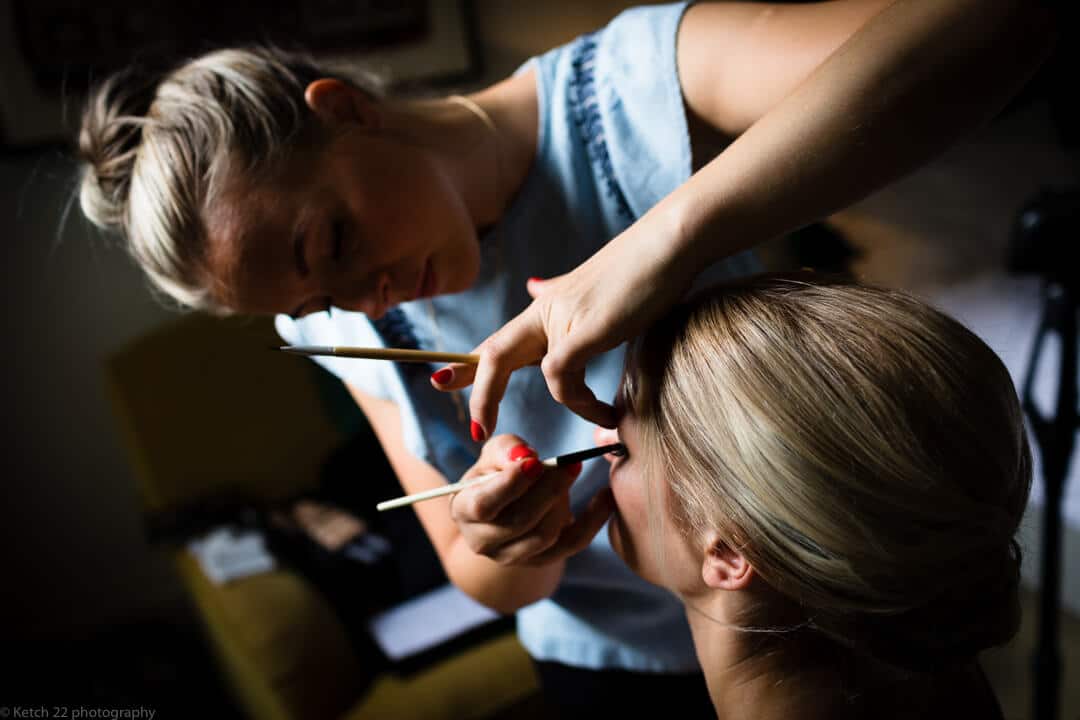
745, 680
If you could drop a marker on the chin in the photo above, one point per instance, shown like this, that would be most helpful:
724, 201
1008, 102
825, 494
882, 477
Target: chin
464, 268
467, 277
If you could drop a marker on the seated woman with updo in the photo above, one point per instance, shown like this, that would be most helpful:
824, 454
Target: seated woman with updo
830, 477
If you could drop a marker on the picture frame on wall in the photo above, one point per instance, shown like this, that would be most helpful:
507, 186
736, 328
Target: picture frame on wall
51, 51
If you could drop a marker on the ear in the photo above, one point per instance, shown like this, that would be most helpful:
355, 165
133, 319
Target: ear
725, 568
335, 102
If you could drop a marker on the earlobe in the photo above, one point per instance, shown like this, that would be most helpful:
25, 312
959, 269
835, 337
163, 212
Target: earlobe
723, 567
335, 101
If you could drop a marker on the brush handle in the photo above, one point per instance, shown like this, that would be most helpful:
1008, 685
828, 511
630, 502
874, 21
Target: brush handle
552, 462
396, 354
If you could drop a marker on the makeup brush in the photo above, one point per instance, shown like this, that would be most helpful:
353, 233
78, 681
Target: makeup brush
382, 354
558, 461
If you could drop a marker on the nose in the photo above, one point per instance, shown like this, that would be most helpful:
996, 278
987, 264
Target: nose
605, 436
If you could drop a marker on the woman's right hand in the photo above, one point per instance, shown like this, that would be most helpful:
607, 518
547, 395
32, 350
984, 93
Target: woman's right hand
522, 516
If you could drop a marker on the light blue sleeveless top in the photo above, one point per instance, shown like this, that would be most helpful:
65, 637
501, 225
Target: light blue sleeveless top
612, 142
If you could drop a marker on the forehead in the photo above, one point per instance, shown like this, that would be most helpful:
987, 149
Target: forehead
250, 228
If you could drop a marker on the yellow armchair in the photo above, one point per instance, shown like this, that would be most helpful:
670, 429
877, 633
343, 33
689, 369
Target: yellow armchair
207, 411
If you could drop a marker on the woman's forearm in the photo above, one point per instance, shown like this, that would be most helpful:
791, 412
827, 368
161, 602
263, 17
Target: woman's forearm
503, 588
899, 91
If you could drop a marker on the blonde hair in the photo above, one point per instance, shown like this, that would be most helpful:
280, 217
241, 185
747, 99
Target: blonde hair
157, 149
865, 452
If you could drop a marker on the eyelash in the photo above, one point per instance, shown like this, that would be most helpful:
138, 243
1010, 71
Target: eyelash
620, 459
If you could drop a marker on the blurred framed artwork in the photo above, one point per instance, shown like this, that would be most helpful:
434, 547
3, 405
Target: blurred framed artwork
51, 51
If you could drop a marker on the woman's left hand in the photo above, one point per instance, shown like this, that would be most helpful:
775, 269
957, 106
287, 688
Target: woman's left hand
608, 299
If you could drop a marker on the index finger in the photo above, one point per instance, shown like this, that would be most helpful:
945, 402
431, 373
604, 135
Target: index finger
520, 342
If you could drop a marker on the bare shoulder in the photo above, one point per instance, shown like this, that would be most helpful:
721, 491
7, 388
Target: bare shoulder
737, 60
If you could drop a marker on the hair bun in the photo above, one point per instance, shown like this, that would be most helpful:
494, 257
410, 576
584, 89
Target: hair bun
966, 619
109, 140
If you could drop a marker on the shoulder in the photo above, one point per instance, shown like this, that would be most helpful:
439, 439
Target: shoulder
609, 100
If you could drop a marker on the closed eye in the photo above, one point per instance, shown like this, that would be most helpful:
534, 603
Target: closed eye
618, 457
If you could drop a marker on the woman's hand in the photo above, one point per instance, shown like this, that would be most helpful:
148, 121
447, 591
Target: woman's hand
522, 517
606, 300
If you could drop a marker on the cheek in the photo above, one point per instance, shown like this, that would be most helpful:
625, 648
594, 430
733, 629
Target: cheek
630, 501
629, 525
417, 210
400, 194
655, 550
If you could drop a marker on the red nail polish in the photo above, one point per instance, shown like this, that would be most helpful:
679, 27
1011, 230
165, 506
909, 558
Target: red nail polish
536, 279
531, 467
441, 377
574, 469
520, 451
477, 431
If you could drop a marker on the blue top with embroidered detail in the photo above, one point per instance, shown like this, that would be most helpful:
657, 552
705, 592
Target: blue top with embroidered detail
613, 141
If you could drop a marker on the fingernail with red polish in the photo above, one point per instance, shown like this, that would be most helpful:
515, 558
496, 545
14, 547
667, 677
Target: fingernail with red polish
441, 377
536, 279
531, 467
574, 469
477, 431
520, 451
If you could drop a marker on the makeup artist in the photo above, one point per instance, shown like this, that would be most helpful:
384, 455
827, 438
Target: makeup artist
249, 181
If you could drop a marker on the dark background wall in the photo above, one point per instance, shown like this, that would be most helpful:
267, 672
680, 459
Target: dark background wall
73, 543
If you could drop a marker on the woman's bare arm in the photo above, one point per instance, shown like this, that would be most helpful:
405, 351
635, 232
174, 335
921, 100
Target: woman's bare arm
503, 588
899, 82
907, 82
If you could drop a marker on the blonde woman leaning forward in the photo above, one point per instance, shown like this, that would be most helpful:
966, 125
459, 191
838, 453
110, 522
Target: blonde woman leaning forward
830, 477
252, 182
